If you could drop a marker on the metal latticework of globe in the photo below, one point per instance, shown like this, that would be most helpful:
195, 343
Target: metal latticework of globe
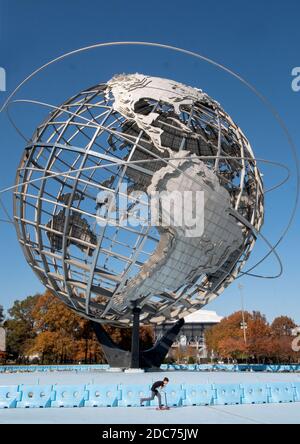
153, 135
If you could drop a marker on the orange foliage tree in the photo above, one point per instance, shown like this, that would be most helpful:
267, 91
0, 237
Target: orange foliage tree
262, 342
59, 335
226, 338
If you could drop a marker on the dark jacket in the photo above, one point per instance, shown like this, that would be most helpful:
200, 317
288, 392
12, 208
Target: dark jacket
156, 385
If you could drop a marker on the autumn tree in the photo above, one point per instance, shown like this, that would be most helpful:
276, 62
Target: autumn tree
282, 339
45, 327
262, 342
62, 335
232, 348
283, 326
258, 333
226, 338
20, 327
146, 337
228, 341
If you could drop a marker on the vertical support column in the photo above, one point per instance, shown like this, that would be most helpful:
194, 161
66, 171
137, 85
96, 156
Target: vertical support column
135, 339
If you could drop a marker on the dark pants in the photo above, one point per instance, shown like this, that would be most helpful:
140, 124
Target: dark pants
153, 394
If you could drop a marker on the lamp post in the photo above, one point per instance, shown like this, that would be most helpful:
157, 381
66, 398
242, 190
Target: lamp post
135, 341
243, 323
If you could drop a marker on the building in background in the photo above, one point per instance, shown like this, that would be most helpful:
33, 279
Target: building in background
191, 339
296, 331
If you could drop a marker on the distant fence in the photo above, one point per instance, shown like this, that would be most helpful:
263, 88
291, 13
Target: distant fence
51, 368
116, 395
272, 368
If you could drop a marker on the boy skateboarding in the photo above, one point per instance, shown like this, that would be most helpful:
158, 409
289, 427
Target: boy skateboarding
155, 392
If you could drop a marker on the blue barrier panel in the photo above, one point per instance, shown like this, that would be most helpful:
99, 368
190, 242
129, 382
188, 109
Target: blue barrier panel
227, 394
232, 367
204, 367
131, 395
255, 394
9, 395
272, 368
224, 367
281, 392
295, 367
296, 391
177, 366
221, 367
284, 369
217, 367
199, 394
191, 367
243, 367
35, 396
164, 367
102, 395
173, 394
258, 367
171, 367
68, 396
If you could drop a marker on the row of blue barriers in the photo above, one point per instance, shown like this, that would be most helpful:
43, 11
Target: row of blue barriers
273, 368
51, 368
114, 395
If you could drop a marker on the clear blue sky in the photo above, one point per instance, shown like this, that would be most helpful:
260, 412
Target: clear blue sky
259, 40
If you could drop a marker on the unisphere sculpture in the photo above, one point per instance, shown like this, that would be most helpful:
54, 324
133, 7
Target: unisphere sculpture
136, 136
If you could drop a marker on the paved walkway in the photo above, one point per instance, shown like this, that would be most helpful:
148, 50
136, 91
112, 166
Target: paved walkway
100, 377
237, 414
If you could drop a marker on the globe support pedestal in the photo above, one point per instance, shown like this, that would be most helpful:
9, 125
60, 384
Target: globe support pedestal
147, 359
